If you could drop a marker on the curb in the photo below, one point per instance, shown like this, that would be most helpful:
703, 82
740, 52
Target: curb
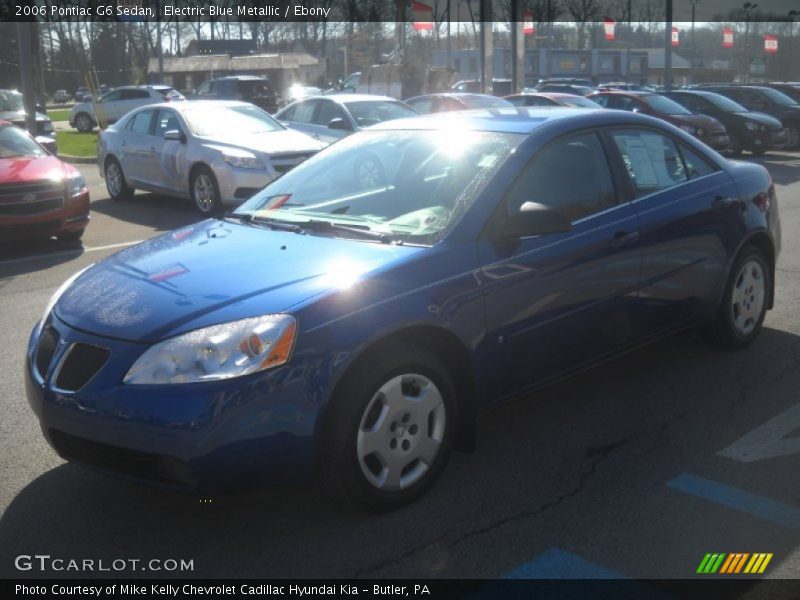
78, 160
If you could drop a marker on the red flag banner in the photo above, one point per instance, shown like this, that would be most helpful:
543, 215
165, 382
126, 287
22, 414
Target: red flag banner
527, 20
770, 44
608, 26
676, 37
727, 38
423, 16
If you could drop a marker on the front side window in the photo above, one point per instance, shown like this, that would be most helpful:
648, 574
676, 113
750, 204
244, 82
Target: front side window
372, 112
328, 111
696, 165
167, 121
652, 160
303, 112
570, 175
411, 186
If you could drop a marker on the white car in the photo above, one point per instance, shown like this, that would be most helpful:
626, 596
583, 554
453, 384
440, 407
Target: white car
215, 152
114, 105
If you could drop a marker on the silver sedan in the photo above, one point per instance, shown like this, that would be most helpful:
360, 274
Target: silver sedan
213, 152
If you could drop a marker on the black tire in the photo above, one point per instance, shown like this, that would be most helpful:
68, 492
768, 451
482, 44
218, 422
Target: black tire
71, 236
368, 172
84, 122
759, 151
734, 146
793, 137
204, 189
728, 330
117, 186
343, 471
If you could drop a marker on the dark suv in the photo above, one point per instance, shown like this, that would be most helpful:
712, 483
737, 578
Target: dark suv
248, 88
769, 101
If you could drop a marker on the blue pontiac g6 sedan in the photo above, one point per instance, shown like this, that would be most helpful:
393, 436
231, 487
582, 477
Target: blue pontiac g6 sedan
357, 332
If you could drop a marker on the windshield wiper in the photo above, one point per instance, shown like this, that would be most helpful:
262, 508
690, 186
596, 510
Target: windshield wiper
361, 231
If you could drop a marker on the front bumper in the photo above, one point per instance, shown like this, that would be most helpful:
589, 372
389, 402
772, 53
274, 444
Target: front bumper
72, 216
237, 185
718, 140
237, 434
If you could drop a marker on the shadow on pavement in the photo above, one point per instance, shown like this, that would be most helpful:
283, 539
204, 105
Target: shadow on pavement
162, 213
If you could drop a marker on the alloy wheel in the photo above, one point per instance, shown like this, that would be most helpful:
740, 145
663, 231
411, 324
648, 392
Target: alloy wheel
792, 137
113, 180
205, 195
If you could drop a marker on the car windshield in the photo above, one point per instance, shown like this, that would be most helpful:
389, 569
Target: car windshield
10, 101
411, 186
724, 104
580, 102
371, 112
665, 106
215, 120
14, 143
485, 102
778, 97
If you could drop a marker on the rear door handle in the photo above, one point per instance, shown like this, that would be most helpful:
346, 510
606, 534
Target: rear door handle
624, 238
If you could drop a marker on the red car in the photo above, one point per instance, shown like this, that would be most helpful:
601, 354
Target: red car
40, 196
551, 99
707, 129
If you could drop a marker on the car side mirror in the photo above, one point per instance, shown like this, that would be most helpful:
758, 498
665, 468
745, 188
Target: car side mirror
175, 135
340, 124
534, 219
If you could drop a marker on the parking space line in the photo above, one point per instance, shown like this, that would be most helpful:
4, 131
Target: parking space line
557, 564
741, 500
76, 252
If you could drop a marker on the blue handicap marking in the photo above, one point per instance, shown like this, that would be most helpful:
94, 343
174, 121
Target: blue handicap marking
557, 564
758, 506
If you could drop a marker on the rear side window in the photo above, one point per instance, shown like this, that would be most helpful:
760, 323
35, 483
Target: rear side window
570, 175
422, 105
652, 160
134, 94
696, 165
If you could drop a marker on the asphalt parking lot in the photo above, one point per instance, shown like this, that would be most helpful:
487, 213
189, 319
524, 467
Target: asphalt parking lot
637, 468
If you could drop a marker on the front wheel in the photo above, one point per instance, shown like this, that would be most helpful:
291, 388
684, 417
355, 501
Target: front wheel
84, 123
744, 304
792, 137
734, 146
388, 433
205, 191
70, 236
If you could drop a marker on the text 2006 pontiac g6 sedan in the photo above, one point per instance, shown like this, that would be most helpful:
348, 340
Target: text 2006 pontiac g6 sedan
359, 332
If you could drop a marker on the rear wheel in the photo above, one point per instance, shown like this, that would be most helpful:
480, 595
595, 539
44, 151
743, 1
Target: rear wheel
84, 123
205, 191
744, 304
118, 188
389, 429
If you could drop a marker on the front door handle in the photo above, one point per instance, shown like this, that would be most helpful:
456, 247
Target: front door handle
722, 202
624, 238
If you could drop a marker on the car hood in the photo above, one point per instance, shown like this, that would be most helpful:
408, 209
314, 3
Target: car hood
273, 142
761, 118
31, 168
213, 272
701, 121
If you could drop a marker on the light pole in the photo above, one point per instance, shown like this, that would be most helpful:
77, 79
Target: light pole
748, 7
694, 39
792, 15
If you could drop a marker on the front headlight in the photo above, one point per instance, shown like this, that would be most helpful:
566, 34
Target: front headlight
75, 184
218, 352
242, 159
750, 125
54, 298
47, 127
688, 129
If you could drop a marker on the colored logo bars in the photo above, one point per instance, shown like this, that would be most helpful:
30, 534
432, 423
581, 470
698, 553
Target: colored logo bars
735, 563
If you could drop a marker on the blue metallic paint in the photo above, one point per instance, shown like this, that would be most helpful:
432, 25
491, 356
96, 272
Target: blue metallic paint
538, 307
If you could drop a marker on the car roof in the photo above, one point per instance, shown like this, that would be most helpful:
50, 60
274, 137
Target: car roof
181, 106
523, 120
345, 98
241, 78
455, 95
626, 93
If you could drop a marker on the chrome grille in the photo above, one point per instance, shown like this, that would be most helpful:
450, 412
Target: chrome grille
31, 198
